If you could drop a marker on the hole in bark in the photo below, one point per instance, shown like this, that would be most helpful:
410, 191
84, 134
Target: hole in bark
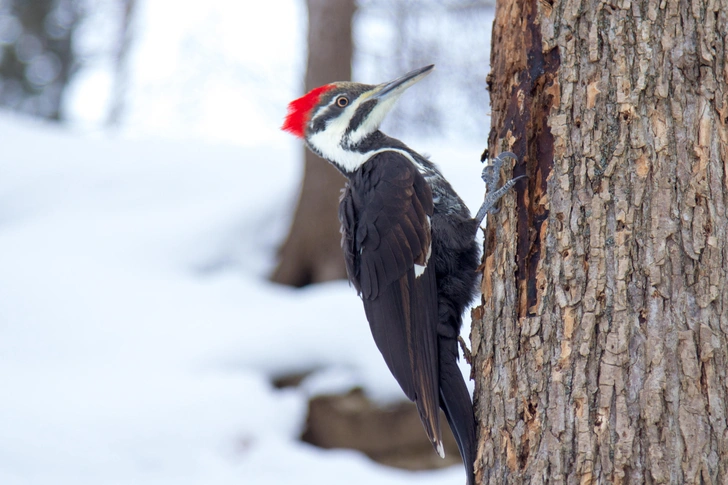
565, 253
577, 123
523, 459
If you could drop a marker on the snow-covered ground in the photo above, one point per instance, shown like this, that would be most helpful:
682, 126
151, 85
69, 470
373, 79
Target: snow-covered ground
138, 334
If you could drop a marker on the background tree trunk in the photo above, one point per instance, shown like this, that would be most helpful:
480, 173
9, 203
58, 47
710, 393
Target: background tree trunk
601, 347
312, 252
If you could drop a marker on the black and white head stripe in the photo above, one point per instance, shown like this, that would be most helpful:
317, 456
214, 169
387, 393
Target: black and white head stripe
349, 114
329, 109
360, 117
337, 134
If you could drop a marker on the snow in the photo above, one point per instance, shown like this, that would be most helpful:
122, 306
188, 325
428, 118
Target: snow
138, 334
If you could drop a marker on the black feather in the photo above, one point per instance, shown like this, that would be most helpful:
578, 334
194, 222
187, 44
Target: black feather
415, 320
391, 234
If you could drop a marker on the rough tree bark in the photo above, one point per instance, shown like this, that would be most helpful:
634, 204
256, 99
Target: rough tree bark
601, 347
312, 252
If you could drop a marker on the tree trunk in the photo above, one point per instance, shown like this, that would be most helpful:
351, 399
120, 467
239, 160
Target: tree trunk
312, 252
601, 347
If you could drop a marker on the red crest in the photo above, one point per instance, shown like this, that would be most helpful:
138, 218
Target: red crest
299, 110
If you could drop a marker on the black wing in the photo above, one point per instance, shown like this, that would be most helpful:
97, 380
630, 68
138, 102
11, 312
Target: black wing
385, 215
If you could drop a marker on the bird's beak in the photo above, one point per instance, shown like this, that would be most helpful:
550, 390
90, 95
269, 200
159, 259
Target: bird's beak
384, 97
394, 88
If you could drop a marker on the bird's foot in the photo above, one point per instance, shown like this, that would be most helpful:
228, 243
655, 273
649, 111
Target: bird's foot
490, 175
466, 351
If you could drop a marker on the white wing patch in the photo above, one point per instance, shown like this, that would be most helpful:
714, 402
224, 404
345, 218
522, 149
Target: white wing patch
420, 269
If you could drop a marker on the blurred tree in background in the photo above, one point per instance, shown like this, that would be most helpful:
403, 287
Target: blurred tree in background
312, 252
40, 53
37, 60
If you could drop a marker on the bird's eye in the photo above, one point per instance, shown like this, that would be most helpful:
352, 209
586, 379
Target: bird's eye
342, 101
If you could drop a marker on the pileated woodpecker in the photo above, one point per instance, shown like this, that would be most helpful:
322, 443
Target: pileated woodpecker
409, 245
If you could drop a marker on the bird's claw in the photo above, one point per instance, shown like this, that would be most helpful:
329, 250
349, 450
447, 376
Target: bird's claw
491, 175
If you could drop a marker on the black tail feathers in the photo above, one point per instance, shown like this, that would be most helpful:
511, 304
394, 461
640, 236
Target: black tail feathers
456, 403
